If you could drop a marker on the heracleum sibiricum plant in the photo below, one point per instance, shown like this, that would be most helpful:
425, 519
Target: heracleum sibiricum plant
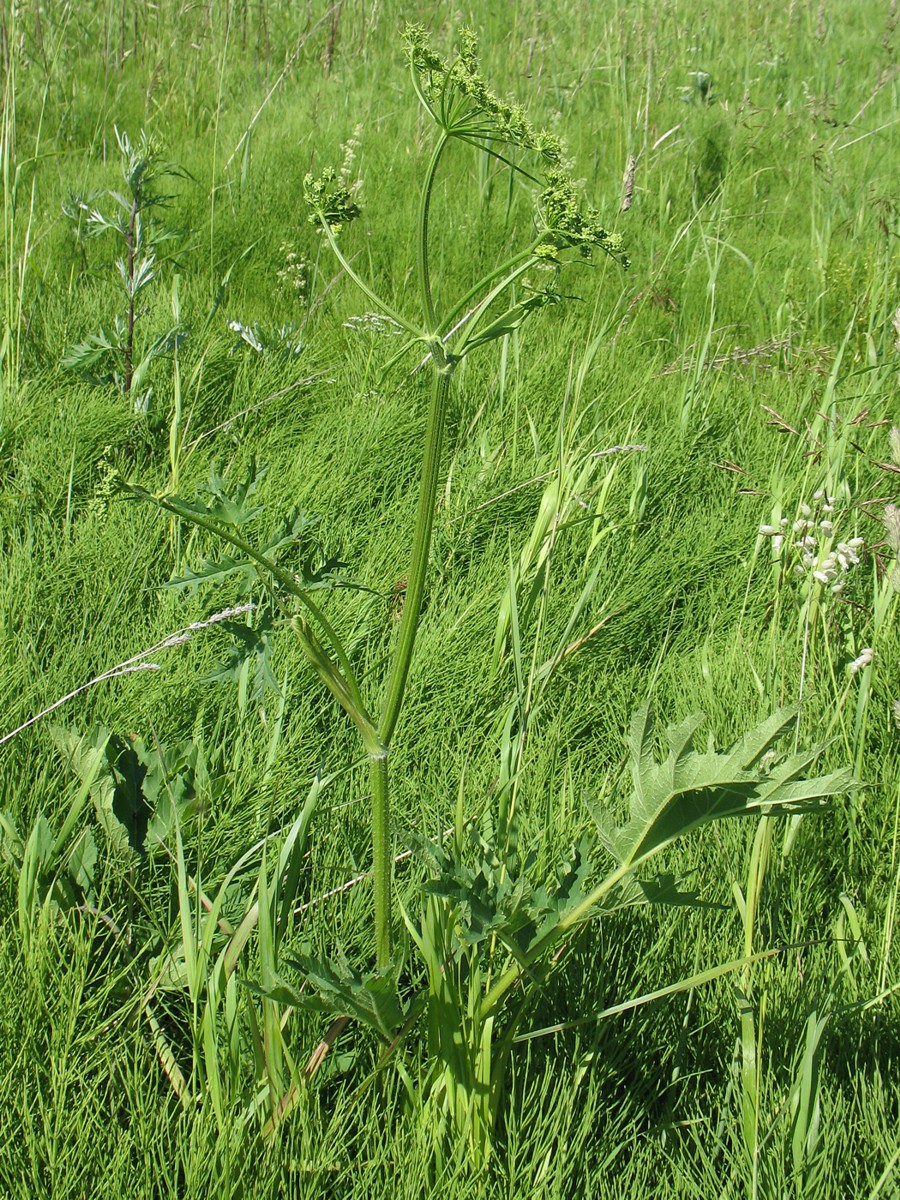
488, 934
464, 109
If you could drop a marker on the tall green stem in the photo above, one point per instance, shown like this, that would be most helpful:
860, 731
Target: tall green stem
381, 856
415, 586
409, 624
422, 248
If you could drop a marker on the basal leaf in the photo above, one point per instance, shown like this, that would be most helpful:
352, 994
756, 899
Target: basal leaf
372, 999
137, 790
82, 862
689, 788
552, 902
115, 791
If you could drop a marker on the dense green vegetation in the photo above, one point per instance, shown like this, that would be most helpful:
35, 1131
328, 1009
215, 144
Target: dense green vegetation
670, 484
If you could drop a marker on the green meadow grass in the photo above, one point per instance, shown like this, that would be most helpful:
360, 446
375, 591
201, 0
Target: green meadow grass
749, 352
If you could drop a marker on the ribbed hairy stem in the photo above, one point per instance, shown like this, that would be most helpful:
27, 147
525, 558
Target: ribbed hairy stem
415, 590
409, 625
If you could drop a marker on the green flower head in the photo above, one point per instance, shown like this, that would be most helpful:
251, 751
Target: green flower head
459, 99
457, 96
330, 201
567, 227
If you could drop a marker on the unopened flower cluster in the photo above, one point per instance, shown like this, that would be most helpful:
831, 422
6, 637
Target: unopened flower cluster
330, 200
448, 87
461, 102
567, 227
811, 537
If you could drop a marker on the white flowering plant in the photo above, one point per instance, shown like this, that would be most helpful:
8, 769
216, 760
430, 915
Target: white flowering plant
807, 550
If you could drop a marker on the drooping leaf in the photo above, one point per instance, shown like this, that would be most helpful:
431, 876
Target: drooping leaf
249, 659
97, 348
513, 318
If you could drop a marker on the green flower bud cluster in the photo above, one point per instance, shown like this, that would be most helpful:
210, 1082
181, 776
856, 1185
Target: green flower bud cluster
462, 103
466, 103
330, 200
567, 227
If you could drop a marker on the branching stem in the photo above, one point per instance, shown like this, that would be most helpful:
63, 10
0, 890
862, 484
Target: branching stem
339, 677
363, 286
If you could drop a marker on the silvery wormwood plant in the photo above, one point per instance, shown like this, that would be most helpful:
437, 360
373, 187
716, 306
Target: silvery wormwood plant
488, 934
108, 356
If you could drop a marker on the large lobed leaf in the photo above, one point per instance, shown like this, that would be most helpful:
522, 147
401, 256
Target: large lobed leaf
690, 788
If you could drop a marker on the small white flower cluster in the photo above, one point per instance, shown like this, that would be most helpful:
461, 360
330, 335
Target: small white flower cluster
350, 149
811, 536
372, 322
294, 275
